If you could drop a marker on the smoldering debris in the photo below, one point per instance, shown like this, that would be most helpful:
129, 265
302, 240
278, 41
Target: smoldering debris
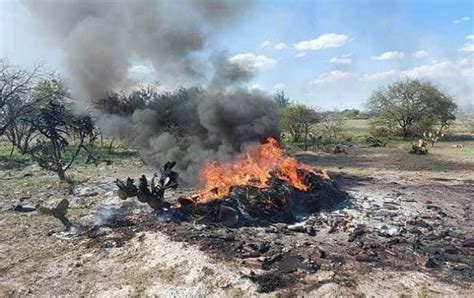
260, 186
245, 205
279, 203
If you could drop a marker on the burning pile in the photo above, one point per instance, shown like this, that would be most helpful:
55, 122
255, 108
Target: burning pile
260, 186
254, 168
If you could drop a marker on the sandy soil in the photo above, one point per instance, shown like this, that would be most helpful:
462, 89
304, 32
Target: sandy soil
37, 259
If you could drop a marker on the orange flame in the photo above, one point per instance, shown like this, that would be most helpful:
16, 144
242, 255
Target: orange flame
253, 168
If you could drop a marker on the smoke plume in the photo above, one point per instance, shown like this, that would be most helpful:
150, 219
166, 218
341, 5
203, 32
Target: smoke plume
100, 40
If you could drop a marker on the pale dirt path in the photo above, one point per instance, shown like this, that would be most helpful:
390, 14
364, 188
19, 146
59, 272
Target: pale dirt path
149, 265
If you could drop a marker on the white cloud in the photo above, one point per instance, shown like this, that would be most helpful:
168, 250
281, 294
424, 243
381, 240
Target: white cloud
343, 59
454, 76
463, 19
380, 76
300, 55
266, 44
329, 77
461, 67
420, 54
391, 55
280, 46
140, 69
276, 46
279, 86
445, 69
468, 47
330, 40
252, 62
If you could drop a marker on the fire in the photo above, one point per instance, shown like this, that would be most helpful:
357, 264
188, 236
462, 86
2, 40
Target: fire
254, 168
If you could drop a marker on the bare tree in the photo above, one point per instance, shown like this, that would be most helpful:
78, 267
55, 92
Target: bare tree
20, 133
16, 85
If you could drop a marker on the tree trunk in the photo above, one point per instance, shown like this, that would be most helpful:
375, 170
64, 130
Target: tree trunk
56, 155
13, 149
296, 136
61, 173
13, 140
25, 145
305, 140
404, 132
110, 145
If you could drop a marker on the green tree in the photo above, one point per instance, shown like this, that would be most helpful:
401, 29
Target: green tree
413, 106
298, 120
281, 100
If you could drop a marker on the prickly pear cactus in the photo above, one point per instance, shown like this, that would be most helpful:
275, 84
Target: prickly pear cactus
432, 136
149, 192
419, 148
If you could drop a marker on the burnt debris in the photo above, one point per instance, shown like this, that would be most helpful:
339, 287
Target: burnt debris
279, 202
245, 205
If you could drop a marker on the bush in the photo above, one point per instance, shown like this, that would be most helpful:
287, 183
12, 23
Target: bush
297, 121
380, 132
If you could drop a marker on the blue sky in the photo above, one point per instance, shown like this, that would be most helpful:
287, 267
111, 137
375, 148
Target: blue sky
328, 54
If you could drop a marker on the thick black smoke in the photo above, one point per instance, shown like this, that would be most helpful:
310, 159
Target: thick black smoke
100, 39
191, 125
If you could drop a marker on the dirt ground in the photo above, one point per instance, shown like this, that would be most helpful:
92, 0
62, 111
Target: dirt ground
423, 202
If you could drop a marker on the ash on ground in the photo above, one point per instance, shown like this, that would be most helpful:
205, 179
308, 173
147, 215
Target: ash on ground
374, 229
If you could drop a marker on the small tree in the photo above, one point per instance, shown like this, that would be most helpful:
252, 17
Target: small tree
413, 106
298, 120
22, 109
16, 86
331, 128
54, 126
281, 100
16, 130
